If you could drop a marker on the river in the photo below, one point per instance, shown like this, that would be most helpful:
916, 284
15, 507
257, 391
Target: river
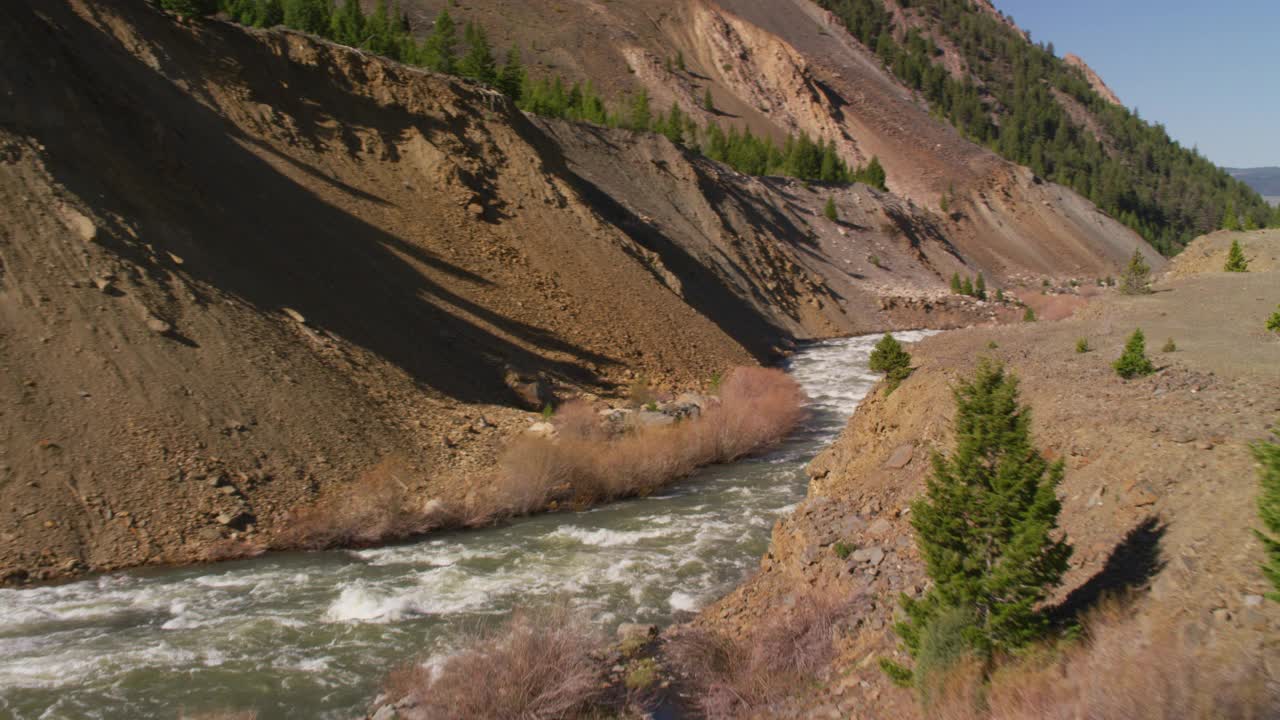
311, 635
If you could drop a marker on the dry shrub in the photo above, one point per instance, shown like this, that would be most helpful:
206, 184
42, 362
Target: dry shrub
535, 666
577, 419
757, 406
379, 508
1121, 673
737, 677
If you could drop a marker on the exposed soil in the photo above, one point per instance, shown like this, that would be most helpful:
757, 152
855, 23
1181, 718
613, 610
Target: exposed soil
1159, 488
240, 268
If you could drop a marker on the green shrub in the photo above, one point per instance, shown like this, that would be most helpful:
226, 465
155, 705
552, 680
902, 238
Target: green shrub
1268, 456
829, 210
843, 549
889, 358
1029, 315
642, 674
1273, 322
945, 642
1082, 345
1169, 346
992, 345
1133, 362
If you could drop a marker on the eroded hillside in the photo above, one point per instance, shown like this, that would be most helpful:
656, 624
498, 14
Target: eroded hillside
1158, 495
242, 267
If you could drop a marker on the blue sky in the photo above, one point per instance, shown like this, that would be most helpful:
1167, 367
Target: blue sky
1209, 71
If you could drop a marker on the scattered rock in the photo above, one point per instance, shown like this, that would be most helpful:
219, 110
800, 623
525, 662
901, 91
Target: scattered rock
900, 457
158, 326
294, 315
636, 633
541, 429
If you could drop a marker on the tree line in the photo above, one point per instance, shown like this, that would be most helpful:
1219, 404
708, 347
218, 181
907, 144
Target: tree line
387, 31
1167, 193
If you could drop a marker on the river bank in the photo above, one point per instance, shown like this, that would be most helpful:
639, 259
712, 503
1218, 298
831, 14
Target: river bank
313, 634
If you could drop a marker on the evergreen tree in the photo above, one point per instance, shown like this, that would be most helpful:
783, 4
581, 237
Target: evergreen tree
955, 283
707, 102
478, 64
986, 525
1273, 322
1136, 279
873, 174
311, 16
347, 25
1268, 456
439, 51
511, 80
966, 287
830, 210
270, 13
641, 115
1133, 362
890, 358
980, 288
1236, 261
1028, 315
1230, 220
680, 60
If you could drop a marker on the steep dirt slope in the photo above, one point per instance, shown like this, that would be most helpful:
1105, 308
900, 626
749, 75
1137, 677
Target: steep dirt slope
1157, 499
238, 268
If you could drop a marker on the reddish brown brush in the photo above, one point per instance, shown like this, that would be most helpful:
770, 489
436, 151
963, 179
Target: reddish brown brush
1122, 672
379, 508
536, 666
753, 675
756, 407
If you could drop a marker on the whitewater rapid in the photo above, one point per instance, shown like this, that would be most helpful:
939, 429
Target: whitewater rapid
311, 635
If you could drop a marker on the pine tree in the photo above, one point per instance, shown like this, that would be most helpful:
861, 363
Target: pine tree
511, 79
478, 63
311, 16
980, 288
641, 115
1268, 456
1028, 315
347, 25
1136, 279
680, 60
873, 174
986, 525
1230, 220
268, 13
439, 51
1236, 261
830, 210
1133, 362
955, 283
707, 102
890, 358
966, 287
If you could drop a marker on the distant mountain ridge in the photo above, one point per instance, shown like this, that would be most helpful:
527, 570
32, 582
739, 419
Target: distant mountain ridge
1266, 180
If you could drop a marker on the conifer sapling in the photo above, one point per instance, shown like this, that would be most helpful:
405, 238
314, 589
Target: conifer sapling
1236, 261
1268, 456
1133, 362
987, 527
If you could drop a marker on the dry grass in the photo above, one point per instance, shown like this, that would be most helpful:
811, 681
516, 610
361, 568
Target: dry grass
739, 677
380, 508
757, 406
1121, 673
536, 666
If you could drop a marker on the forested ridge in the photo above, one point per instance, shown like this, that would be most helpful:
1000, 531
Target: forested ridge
387, 31
1006, 102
